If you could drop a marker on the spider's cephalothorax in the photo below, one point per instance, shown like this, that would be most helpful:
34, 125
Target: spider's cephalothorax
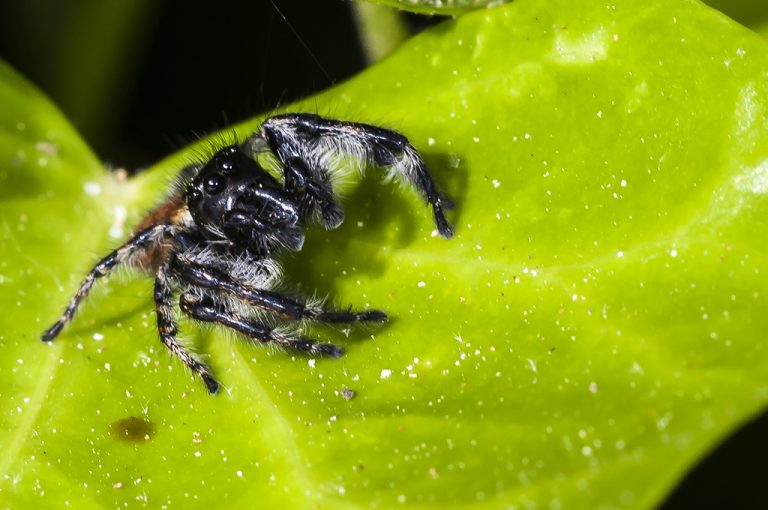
214, 241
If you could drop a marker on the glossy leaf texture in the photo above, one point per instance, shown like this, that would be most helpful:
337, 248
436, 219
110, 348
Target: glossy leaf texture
596, 325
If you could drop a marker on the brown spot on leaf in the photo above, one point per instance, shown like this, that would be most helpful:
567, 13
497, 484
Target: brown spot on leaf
132, 430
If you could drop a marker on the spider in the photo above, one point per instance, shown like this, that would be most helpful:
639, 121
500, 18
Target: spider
215, 239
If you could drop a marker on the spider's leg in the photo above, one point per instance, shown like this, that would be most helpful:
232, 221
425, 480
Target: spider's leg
315, 140
167, 328
315, 192
214, 279
138, 242
206, 309
348, 316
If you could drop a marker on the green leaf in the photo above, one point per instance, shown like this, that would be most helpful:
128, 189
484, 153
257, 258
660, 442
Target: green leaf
751, 13
596, 325
439, 6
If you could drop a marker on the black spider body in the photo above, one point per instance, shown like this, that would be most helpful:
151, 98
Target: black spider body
215, 240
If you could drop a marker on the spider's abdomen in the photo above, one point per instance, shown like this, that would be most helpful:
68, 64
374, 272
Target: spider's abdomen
169, 212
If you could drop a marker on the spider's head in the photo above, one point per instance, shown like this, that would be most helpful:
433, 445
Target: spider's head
231, 196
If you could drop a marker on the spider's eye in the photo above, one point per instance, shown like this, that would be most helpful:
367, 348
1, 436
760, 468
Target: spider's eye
214, 184
226, 165
195, 195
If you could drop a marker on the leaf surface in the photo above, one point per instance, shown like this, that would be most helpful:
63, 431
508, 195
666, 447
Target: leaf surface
596, 325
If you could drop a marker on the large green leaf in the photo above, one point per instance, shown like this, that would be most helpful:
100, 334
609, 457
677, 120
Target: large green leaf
751, 13
595, 326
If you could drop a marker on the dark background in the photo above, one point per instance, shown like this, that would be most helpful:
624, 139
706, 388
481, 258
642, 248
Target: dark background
161, 72
191, 66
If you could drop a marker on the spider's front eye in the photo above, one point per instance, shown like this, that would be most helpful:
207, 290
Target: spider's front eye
226, 165
214, 184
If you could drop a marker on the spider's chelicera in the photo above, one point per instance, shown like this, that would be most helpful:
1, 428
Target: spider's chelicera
214, 241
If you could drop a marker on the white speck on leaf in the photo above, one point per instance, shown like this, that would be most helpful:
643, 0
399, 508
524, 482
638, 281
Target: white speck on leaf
120, 214
92, 189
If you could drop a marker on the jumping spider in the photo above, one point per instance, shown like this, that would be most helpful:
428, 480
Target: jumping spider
215, 239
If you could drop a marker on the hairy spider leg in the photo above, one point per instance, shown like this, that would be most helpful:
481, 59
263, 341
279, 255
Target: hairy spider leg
312, 140
206, 309
138, 242
348, 316
316, 192
211, 278
167, 327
